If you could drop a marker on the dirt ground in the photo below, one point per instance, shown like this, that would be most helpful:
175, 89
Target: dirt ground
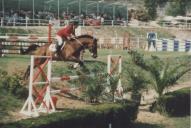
144, 116
147, 117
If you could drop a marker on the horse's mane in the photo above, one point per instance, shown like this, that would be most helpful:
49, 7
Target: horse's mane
83, 36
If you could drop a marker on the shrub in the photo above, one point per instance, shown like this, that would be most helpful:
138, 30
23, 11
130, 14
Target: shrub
12, 85
11, 90
175, 103
119, 115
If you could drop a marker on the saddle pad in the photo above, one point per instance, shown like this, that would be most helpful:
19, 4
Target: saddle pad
52, 47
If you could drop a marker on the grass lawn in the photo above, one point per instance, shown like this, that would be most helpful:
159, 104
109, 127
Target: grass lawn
17, 63
181, 122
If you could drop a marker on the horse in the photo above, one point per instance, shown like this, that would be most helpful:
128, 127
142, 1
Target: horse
71, 51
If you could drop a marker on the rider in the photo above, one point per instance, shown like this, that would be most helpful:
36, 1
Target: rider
66, 33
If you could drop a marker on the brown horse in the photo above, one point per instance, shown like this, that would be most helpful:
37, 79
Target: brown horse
70, 52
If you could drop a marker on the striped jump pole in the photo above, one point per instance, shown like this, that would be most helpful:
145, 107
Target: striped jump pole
30, 107
114, 62
173, 45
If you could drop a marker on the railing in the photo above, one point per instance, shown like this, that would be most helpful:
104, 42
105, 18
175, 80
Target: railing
43, 22
179, 25
12, 44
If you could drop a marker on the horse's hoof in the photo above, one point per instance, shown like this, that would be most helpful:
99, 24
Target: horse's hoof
76, 65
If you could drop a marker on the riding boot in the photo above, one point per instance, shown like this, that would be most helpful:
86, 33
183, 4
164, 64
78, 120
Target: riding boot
57, 50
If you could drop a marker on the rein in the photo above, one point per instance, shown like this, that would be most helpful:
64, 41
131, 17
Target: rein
78, 41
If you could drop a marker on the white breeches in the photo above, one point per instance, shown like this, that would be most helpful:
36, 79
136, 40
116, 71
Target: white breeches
59, 39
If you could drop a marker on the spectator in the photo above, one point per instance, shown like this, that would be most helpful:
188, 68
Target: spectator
151, 39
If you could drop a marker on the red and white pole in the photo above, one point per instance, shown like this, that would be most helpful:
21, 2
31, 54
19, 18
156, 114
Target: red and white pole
49, 33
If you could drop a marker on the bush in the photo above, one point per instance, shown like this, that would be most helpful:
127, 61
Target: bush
175, 103
119, 115
11, 91
12, 85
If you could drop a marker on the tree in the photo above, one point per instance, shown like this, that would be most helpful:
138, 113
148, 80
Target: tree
113, 83
138, 79
137, 82
151, 6
178, 7
162, 2
162, 73
95, 87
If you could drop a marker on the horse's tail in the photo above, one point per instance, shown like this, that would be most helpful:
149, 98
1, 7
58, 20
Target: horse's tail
29, 50
22, 51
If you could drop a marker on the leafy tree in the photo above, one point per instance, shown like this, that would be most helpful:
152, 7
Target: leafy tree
151, 6
92, 86
113, 83
178, 7
161, 2
95, 87
162, 73
137, 81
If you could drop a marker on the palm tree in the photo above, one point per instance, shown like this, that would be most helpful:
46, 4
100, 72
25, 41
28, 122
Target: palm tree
137, 82
113, 83
163, 74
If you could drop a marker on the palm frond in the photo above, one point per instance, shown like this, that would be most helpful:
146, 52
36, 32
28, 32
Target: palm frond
173, 78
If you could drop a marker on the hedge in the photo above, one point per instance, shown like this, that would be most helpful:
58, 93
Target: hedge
98, 116
175, 103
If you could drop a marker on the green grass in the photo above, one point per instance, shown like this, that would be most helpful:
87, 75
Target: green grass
145, 125
8, 103
181, 122
21, 62
178, 122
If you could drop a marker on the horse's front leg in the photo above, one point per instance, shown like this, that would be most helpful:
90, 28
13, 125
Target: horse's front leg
77, 60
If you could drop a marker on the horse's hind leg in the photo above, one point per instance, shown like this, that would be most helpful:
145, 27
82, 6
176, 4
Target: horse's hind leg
78, 61
27, 73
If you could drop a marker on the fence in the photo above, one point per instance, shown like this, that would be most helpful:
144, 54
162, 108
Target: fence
122, 42
44, 22
167, 25
171, 45
179, 25
12, 44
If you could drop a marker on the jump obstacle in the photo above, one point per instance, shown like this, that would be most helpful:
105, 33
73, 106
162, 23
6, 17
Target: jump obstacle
112, 62
43, 95
40, 100
171, 46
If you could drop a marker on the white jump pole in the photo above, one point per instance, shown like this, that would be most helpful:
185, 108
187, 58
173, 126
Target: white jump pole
108, 68
109, 64
119, 68
29, 107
